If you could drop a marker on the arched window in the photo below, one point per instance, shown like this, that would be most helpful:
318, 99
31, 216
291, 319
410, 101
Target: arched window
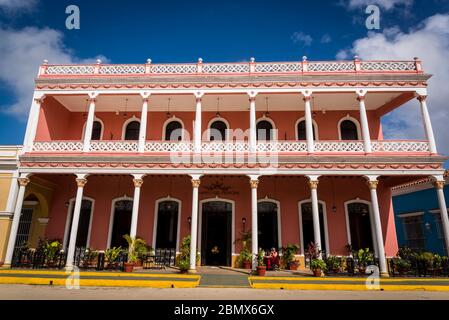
173, 131
121, 223
264, 130
348, 130
132, 130
167, 224
301, 129
359, 225
82, 238
218, 130
96, 130
267, 225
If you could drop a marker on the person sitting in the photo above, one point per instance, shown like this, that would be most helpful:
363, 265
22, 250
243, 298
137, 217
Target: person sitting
272, 260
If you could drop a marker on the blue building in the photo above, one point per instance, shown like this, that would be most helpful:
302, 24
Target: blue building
417, 216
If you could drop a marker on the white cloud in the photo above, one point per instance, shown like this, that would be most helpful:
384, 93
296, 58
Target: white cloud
326, 38
384, 4
21, 52
301, 37
430, 42
14, 5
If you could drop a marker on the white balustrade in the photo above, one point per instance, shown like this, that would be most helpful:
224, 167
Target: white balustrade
392, 146
400, 146
233, 68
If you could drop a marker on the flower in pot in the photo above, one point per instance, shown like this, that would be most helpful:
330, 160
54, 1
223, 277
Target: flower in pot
402, 265
244, 259
51, 248
112, 255
261, 268
318, 266
132, 258
288, 256
134, 244
333, 263
364, 258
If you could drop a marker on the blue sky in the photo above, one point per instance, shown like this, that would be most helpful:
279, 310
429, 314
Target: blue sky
181, 31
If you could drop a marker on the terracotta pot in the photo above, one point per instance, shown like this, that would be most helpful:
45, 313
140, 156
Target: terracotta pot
317, 272
128, 267
261, 271
293, 266
362, 271
138, 263
246, 264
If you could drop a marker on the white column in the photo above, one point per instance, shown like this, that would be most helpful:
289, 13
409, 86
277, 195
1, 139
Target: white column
313, 183
439, 186
33, 121
194, 224
427, 124
197, 131
89, 122
143, 122
364, 123
372, 184
254, 182
80, 182
373, 233
138, 182
309, 124
23, 182
252, 122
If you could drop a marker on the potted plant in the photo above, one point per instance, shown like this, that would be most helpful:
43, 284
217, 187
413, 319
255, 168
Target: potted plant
261, 268
333, 263
90, 257
318, 266
364, 258
133, 244
288, 256
183, 260
244, 259
112, 255
51, 248
402, 265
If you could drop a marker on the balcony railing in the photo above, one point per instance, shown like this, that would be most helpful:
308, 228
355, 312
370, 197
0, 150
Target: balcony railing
252, 67
386, 146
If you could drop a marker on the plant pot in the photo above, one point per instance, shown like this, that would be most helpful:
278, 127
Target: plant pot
138, 263
362, 271
261, 271
128, 267
246, 264
184, 271
293, 266
335, 270
317, 272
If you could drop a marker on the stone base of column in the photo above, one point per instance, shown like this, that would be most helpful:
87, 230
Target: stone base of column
5, 266
68, 268
384, 275
192, 271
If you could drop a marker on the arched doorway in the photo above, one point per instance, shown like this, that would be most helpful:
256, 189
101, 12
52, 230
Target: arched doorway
359, 225
264, 130
84, 223
132, 130
306, 225
348, 130
166, 224
173, 131
121, 222
217, 130
268, 225
216, 227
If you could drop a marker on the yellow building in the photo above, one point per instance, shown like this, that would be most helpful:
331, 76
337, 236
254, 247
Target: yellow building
9, 160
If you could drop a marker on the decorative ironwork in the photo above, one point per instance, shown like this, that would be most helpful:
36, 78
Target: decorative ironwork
122, 69
400, 146
339, 146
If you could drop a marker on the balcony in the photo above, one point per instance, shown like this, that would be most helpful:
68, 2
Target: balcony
283, 147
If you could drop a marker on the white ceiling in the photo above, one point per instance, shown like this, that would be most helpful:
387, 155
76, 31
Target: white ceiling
227, 102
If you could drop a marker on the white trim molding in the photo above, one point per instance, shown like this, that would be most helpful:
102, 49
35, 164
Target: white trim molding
95, 120
166, 122
348, 227
125, 124
278, 216
69, 218
356, 122
111, 218
226, 122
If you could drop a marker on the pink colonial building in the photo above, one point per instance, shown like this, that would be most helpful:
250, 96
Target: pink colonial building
292, 151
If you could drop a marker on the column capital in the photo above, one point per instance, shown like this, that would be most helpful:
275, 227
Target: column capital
254, 183
372, 184
307, 94
198, 95
252, 95
138, 183
81, 182
361, 93
39, 99
93, 96
422, 98
145, 95
23, 182
439, 184
196, 183
313, 184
